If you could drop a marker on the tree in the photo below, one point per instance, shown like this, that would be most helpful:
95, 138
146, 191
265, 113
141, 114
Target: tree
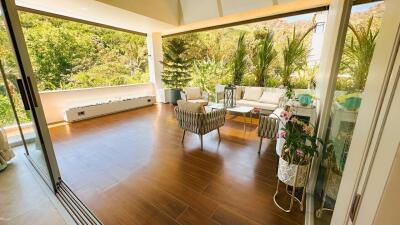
295, 54
263, 57
358, 51
177, 64
239, 60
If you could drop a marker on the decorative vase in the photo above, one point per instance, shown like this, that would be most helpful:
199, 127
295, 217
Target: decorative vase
305, 99
352, 103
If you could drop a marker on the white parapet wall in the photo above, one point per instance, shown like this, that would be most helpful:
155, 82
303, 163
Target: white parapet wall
55, 103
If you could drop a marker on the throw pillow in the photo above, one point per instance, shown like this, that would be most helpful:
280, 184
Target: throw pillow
192, 93
270, 97
191, 106
252, 93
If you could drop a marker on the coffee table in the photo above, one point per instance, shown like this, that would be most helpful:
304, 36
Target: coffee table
244, 110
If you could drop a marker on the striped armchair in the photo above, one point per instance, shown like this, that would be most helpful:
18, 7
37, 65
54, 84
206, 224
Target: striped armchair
267, 128
200, 123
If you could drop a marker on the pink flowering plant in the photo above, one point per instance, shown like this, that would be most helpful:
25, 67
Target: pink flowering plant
301, 142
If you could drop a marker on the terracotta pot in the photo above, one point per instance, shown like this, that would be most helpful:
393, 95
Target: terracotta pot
287, 173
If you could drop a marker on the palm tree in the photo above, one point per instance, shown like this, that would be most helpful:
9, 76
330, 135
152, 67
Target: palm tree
239, 60
295, 54
358, 51
263, 58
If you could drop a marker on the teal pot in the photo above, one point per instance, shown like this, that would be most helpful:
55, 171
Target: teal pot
305, 99
352, 103
175, 95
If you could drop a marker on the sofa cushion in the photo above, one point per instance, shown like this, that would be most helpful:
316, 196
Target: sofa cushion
252, 93
257, 104
239, 90
194, 107
192, 93
270, 97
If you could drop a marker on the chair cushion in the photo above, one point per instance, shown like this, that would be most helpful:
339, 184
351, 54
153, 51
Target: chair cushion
270, 97
194, 107
239, 90
201, 101
192, 93
252, 93
257, 104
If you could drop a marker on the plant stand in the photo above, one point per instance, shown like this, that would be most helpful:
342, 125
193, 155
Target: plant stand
295, 176
331, 188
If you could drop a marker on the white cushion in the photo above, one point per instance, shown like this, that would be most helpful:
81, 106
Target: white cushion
270, 97
192, 93
252, 93
257, 104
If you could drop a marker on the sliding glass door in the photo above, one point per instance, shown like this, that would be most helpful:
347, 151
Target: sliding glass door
23, 115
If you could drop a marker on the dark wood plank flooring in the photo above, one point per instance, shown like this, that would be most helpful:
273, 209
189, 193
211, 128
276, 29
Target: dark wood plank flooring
131, 168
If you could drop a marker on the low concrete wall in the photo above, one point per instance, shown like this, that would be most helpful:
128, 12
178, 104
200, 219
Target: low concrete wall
55, 102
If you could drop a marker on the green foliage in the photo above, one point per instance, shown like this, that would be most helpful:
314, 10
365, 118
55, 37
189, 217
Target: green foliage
176, 63
62, 51
239, 60
263, 57
358, 51
295, 54
208, 73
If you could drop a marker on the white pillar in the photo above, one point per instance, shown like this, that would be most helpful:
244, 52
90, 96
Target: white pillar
155, 56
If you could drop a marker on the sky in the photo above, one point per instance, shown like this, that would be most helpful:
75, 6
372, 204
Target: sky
357, 8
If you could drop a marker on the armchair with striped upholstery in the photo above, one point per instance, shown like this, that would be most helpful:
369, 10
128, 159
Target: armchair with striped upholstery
267, 128
200, 123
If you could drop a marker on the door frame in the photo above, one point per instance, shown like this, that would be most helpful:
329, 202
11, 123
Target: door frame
25, 67
369, 120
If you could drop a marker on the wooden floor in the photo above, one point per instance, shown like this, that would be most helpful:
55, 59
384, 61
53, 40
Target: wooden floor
131, 168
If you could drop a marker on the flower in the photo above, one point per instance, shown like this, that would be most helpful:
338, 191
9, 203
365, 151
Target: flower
285, 116
282, 134
299, 152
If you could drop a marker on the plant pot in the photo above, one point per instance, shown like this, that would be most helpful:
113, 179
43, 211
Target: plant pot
287, 173
175, 95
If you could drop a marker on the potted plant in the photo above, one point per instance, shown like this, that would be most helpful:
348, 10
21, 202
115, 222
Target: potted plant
299, 147
177, 64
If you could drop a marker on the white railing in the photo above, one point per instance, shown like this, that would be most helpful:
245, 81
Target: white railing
56, 102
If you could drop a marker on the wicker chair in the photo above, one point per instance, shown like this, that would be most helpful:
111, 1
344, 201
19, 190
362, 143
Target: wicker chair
200, 123
267, 128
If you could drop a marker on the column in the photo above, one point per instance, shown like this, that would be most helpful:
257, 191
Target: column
155, 56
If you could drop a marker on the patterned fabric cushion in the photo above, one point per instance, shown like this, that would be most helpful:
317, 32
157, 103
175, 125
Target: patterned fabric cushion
192, 93
252, 93
195, 107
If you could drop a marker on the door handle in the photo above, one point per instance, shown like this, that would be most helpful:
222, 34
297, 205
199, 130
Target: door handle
23, 94
32, 94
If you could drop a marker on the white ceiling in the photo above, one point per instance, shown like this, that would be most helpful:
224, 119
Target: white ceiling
168, 16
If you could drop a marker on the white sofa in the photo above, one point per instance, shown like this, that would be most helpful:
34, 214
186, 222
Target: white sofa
264, 98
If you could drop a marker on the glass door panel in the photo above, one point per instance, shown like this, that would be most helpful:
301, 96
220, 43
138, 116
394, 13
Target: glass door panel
359, 47
17, 83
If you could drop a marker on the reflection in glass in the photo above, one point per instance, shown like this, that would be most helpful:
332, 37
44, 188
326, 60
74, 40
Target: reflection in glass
359, 47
